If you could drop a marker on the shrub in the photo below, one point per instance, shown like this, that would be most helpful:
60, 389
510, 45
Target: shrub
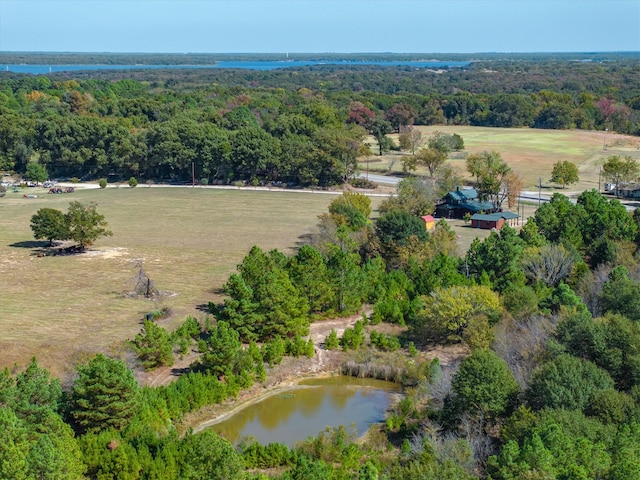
297, 347
102, 182
133, 182
389, 343
352, 338
274, 350
332, 342
363, 183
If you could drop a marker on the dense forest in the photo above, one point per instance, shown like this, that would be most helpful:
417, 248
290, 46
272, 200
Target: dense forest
550, 388
303, 126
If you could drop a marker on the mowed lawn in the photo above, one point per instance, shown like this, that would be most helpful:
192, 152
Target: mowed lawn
532, 152
63, 308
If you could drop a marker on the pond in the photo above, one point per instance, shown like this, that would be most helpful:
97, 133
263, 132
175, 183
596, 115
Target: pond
305, 410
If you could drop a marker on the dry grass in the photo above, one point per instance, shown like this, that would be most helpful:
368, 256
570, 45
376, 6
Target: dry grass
532, 152
63, 308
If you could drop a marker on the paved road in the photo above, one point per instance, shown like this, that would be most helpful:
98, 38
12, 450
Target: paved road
381, 179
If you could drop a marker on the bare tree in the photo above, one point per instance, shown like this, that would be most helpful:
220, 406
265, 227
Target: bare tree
590, 288
143, 285
550, 264
520, 343
410, 139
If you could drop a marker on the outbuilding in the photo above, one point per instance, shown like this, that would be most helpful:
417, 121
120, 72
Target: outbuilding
490, 221
429, 222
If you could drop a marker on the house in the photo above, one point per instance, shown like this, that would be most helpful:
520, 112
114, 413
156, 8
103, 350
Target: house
429, 222
629, 191
497, 220
461, 201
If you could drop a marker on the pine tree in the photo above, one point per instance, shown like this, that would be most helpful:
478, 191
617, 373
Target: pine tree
104, 395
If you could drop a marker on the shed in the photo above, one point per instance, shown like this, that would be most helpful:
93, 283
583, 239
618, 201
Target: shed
429, 222
493, 220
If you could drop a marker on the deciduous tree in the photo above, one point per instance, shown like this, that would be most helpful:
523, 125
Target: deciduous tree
379, 127
484, 385
548, 264
50, 224
410, 139
431, 158
565, 173
36, 172
492, 177
85, 224
620, 170
445, 142
401, 115
413, 196
447, 310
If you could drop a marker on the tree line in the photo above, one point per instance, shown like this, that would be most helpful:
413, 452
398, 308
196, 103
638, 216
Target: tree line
305, 127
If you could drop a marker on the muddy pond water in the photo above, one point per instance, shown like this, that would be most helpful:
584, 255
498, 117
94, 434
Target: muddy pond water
305, 410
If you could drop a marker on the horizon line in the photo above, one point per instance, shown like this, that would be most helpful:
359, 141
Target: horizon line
69, 52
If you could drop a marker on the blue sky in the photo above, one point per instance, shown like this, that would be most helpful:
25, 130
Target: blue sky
221, 26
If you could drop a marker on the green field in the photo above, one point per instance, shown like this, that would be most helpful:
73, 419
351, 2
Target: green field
532, 152
62, 307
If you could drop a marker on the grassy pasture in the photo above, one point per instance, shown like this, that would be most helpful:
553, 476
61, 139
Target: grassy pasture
62, 308
532, 152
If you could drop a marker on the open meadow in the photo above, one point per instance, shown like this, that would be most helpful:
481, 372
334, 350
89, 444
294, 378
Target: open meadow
530, 152
65, 307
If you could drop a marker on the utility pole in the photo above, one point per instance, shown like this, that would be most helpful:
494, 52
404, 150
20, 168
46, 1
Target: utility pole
599, 178
539, 190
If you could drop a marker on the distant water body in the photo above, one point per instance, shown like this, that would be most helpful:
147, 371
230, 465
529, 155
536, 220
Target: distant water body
254, 65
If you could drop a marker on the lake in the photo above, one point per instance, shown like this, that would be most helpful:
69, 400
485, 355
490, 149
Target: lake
247, 65
305, 410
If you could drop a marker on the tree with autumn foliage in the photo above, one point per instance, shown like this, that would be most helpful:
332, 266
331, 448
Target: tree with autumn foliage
495, 181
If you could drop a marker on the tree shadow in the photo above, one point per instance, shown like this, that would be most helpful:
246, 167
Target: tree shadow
203, 307
176, 372
305, 239
41, 244
42, 248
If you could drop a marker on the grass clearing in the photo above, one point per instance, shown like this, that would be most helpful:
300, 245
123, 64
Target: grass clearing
531, 152
63, 308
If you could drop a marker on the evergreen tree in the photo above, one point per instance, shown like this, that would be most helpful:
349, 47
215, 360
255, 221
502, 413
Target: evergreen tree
499, 257
221, 349
308, 272
209, 456
153, 346
105, 395
36, 394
